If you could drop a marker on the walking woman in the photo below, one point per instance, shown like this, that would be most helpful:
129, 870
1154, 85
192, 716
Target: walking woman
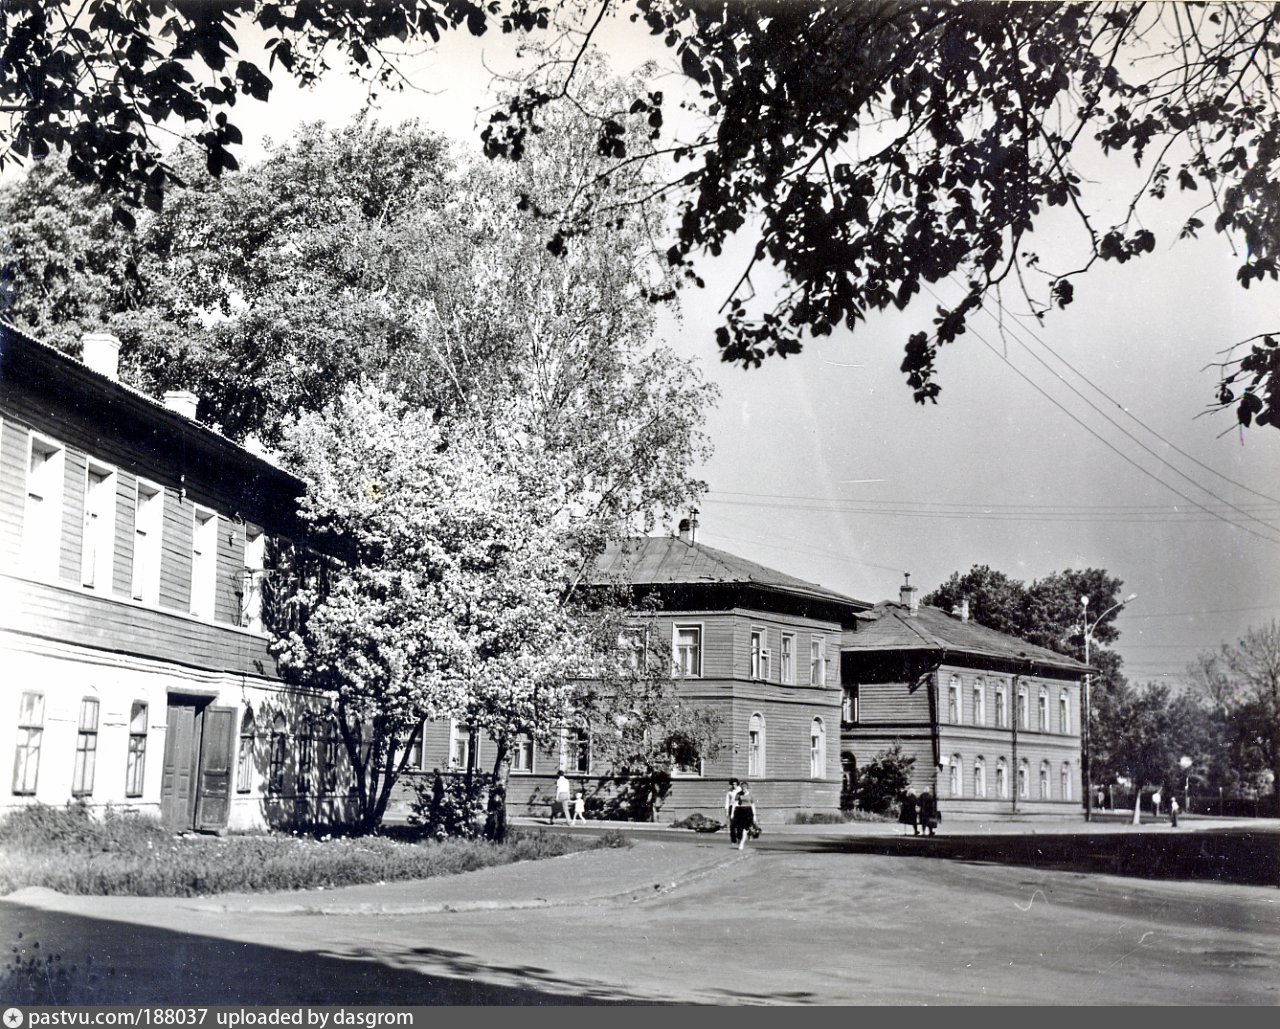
744, 814
909, 814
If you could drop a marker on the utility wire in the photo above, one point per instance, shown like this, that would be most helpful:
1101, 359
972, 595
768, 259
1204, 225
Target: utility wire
1080, 508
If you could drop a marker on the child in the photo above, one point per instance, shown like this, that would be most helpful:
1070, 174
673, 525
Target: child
579, 808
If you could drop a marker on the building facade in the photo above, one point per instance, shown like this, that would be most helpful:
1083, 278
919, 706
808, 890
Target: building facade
133, 546
993, 722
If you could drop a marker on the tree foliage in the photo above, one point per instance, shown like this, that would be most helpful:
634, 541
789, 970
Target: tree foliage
883, 781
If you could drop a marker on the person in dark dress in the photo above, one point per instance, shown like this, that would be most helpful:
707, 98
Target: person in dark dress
744, 814
909, 813
928, 812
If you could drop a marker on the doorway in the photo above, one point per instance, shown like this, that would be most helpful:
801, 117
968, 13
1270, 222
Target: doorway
195, 788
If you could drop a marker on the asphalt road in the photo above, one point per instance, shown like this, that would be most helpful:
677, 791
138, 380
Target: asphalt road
783, 926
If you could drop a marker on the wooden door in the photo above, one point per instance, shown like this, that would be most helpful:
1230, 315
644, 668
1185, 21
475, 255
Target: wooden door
181, 748
213, 804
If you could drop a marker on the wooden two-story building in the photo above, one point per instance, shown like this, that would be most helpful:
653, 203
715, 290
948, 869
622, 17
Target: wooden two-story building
992, 721
134, 667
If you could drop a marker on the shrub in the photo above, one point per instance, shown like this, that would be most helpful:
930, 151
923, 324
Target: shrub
451, 807
698, 822
883, 781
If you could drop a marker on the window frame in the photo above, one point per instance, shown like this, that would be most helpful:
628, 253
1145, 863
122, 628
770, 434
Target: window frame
955, 701
27, 748
1022, 708
244, 751
758, 654
818, 665
84, 772
1064, 711
523, 755
757, 741
330, 753
101, 577
1002, 779
144, 575
254, 564
1046, 791
42, 524
979, 702
1023, 777
851, 703
817, 748
676, 650
980, 777
1001, 697
1042, 710
1064, 780
787, 659
279, 755
955, 780
135, 770
203, 584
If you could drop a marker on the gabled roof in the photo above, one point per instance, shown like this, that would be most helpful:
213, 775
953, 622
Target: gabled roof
890, 626
669, 560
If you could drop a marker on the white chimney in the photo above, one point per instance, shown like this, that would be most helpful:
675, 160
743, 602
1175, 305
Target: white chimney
964, 609
689, 527
100, 352
907, 594
182, 402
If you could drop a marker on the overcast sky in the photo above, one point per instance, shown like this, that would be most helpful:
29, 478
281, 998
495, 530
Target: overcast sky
825, 468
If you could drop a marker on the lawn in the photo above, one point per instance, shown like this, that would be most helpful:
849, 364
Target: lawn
70, 850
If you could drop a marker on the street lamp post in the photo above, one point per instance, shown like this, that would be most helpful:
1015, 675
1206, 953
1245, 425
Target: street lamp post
1086, 730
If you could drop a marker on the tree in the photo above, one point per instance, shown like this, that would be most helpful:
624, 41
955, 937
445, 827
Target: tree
883, 780
1241, 684
452, 599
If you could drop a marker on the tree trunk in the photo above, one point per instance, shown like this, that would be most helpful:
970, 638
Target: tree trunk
1137, 806
495, 823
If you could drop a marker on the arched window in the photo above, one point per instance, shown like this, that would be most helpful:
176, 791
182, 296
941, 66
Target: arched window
1044, 780
979, 703
86, 748
1064, 712
1002, 707
279, 752
1042, 711
329, 755
306, 754
979, 777
1002, 779
135, 769
957, 776
244, 763
755, 745
1024, 714
817, 749
1065, 784
953, 700
1024, 774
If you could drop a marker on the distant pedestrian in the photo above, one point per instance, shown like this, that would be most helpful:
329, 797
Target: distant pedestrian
1173, 811
730, 802
579, 808
1155, 802
909, 814
561, 802
743, 818
929, 816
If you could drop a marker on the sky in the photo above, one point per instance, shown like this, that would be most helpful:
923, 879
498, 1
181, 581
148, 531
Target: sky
1070, 444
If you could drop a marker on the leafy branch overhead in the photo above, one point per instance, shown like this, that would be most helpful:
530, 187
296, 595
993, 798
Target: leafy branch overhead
867, 151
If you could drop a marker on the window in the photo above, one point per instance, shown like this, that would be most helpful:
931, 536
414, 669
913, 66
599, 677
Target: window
135, 770
817, 749
460, 757
1002, 779
1024, 713
979, 777
1064, 784
42, 518
1002, 709
688, 650
97, 543
1023, 775
1042, 711
148, 523
244, 763
755, 745
633, 642
330, 755
26, 764
849, 704
86, 749
789, 658
758, 652
522, 754
685, 759
306, 755
1044, 780
279, 752
204, 563
1064, 712
255, 557
957, 776
953, 700
578, 750
817, 661
979, 703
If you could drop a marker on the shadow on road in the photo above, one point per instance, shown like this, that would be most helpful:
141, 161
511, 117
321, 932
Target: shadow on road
1228, 856
141, 964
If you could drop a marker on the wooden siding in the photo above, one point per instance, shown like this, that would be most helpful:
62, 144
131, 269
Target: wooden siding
121, 626
75, 466
13, 473
122, 570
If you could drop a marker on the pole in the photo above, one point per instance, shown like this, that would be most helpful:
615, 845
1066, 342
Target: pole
1013, 772
1084, 729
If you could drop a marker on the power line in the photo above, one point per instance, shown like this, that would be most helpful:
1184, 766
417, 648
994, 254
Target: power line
1208, 611
1083, 508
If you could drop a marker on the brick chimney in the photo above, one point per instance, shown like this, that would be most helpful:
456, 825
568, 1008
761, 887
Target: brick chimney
907, 594
183, 402
689, 527
100, 352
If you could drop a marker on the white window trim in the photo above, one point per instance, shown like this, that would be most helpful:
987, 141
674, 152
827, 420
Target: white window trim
106, 557
523, 741
980, 702
48, 531
820, 723
148, 592
255, 547
1064, 704
675, 649
821, 641
783, 677
762, 768
955, 686
200, 517
761, 673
